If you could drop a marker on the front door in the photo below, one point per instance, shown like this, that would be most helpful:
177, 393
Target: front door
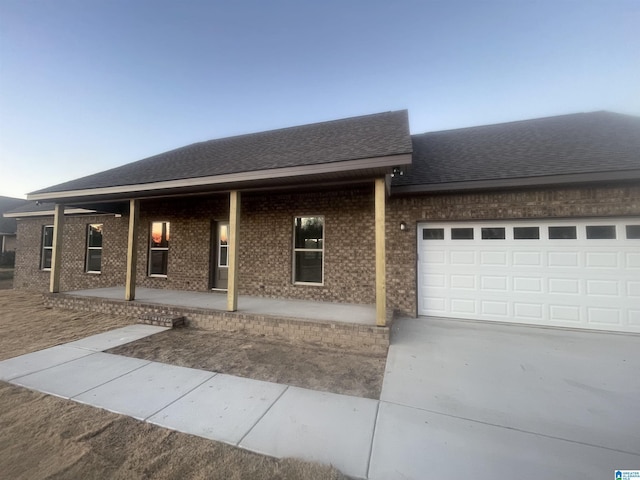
221, 255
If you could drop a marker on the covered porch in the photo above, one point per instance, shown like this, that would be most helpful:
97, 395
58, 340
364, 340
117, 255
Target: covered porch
341, 325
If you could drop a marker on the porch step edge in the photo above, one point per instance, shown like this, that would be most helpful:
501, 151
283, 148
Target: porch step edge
162, 320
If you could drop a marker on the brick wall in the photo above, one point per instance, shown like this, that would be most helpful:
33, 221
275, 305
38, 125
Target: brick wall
372, 339
503, 205
266, 245
73, 276
266, 229
265, 253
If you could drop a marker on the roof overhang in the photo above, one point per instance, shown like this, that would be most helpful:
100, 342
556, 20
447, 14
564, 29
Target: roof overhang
508, 183
47, 213
355, 170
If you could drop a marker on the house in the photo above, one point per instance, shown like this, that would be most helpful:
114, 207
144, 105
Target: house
8, 225
534, 222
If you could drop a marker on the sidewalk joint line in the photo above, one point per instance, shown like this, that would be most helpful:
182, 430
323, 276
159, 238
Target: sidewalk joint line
46, 368
213, 374
373, 437
262, 416
112, 379
552, 437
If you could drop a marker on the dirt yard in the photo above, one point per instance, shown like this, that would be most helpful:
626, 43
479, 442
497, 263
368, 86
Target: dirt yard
45, 437
331, 370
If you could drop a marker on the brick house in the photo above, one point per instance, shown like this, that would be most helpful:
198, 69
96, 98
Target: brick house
533, 222
8, 225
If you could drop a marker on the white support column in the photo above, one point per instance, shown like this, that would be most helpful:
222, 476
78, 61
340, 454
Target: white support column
132, 250
56, 254
381, 281
234, 222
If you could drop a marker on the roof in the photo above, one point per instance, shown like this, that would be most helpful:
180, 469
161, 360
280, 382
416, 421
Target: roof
38, 209
597, 145
327, 144
8, 225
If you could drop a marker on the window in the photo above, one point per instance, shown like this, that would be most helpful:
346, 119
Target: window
562, 233
94, 248
526, 233
462, 234
433, 233
497, 233
601, 232
308, 246
47, 247
159, 249
633, 232
223, 246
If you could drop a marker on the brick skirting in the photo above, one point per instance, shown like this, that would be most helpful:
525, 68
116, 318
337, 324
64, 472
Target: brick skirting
351, 336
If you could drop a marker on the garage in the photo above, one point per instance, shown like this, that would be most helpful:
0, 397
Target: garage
577, 273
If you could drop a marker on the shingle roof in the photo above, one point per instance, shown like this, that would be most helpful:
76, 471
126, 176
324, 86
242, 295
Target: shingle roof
8, 225
368, 136
563, 145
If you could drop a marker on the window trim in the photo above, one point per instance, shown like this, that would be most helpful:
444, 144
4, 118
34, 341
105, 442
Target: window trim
89, 248
295, 250
153, 249
43, 247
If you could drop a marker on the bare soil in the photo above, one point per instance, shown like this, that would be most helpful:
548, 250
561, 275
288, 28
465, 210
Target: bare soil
45, 437
27, 325
293, 363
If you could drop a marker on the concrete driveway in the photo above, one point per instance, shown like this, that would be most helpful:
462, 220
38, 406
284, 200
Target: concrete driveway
465, 399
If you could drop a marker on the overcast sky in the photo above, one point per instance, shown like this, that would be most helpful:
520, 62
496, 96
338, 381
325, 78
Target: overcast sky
86, 85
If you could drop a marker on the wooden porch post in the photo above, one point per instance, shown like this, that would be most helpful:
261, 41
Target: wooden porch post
132, 250
234, 220
56, 254
381, 283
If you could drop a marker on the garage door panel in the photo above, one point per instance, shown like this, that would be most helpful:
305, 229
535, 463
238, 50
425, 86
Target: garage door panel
562, 278
494, 308
563, 259
527, 284
435, 257
603, 287
434, 280
603, 316
463, 306
564, 313
533, 311
494, 282
526, 259
632, 260
493, 258
463, 281
463, 258
601, 259
569, 286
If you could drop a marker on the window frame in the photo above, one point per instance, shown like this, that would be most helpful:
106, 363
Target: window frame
158, 249
90, 248
225, 247
296, 250
44, 247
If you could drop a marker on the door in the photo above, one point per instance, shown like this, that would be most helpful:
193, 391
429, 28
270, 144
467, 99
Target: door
220, 249
581, 273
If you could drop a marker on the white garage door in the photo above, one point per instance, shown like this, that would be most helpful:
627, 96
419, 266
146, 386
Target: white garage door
567, 273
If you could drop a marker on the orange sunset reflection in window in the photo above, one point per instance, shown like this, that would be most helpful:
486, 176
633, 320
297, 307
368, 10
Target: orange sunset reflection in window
160, 233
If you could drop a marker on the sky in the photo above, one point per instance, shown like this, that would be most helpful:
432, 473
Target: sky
87, 85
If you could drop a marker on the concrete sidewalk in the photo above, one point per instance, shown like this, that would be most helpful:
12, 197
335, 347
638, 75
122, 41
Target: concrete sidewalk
268, 418
451, 404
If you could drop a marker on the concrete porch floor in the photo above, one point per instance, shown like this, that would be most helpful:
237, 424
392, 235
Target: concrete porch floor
322, 311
